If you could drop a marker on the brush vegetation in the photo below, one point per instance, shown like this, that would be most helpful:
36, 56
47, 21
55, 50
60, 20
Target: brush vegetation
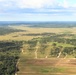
37, 51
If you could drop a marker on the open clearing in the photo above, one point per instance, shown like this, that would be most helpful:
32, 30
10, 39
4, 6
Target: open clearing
46, 66
29, 30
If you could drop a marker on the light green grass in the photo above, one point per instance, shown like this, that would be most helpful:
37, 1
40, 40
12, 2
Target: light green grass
62, 44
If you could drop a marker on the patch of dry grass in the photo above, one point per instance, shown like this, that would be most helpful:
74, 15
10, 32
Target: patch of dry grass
18, 35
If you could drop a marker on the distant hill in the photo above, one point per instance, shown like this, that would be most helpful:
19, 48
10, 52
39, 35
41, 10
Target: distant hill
68, 24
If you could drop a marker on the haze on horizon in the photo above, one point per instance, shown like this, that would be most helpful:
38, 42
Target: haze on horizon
37, 10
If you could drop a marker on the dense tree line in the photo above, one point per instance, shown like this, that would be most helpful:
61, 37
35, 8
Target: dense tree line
7, 30
9, 55
55, 51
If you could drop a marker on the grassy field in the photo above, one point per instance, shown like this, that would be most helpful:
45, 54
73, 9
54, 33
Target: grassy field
22, 35
43, 64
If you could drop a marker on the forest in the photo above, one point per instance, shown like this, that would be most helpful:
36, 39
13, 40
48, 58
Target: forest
9, 55
18, 55
54, 45
8, 30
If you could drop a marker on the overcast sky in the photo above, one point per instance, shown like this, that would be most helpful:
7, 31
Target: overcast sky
37, 10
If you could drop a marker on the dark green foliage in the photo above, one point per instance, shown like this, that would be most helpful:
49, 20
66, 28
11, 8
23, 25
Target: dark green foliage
55, 51
42, 48
39, 34
69, 50
54, 44
60, 47
7, 30
9, 55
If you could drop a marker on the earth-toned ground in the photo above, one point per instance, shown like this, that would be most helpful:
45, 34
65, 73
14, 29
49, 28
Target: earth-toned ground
42, 66
29, 30
46, 66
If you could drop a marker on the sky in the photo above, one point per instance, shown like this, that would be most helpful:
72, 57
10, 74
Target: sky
37, 10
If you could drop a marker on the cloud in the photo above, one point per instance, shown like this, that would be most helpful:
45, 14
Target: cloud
1, 0
35, 3
37, 6
29, 3
64, 4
